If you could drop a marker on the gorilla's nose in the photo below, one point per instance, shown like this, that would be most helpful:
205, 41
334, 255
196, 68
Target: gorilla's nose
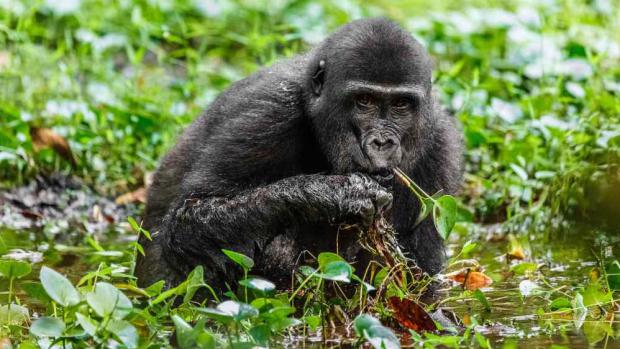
380, 143
382, 151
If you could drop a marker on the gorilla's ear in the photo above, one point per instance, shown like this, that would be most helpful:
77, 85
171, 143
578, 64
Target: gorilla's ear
318, 78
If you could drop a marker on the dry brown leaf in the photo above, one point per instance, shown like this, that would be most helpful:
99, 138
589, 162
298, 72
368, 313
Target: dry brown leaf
411, 315
46, 138
138, 195
471, 280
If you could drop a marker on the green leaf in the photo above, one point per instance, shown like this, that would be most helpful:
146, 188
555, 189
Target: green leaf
125, 332
522, 268
244, 261
306, 270
195, 280
283, 323
595, 295
89, 325
380, 277
278, 313
377, 335
47, 327
481, 297
363, 322
597, 331
261, 334
336, 271
444, 214
35, 290
138, 229
58, 287
12, 269
185, 333
613, 275
228, 311
468, 247
257, 284
328, 257
197, 337
13, 314
155, 288
108, 300
426, 207
560, 303
313, 321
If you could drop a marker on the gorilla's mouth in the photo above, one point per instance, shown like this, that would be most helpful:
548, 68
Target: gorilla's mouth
384, 176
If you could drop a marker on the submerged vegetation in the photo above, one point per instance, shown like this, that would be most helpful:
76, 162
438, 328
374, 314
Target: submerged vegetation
98, 90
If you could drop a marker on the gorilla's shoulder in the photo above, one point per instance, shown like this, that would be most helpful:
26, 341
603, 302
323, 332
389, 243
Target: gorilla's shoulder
281, 79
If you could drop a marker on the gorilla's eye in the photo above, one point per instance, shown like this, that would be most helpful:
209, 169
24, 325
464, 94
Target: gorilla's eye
401, 104
364, 101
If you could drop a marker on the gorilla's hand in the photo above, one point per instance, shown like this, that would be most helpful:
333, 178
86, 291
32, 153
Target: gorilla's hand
351, 199
362, 199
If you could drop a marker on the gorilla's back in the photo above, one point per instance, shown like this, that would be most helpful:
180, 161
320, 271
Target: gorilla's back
168, 179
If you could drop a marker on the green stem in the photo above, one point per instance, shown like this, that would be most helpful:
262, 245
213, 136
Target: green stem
245, 288
8, 315
290, 299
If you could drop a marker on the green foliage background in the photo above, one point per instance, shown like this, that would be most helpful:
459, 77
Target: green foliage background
534, 83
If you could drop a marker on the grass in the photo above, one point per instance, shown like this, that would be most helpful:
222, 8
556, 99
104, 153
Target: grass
536, 86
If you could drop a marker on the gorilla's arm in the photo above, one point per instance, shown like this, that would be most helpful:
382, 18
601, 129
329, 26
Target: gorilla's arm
197, 229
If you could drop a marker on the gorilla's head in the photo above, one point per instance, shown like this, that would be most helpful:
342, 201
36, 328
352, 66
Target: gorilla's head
369, 96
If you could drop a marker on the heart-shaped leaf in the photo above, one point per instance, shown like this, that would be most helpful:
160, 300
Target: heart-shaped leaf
88, 324
195, 280
379, 336
336, 271
125, 331
58, 287
257, 284
47, 327
444, 214
13, 314
230, 311
560, 303
12, 269
108, 300
328, 257
244, 261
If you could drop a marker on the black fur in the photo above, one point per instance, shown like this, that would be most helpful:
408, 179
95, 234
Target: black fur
283, 157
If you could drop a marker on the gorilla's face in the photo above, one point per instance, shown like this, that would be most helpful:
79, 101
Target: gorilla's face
379, 115
366, 124
370, 98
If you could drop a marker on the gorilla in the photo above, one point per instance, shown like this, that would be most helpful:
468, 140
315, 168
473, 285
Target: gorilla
285, 158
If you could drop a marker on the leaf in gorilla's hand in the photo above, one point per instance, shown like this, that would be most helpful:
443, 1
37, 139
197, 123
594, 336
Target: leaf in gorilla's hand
411, 315
444, 215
